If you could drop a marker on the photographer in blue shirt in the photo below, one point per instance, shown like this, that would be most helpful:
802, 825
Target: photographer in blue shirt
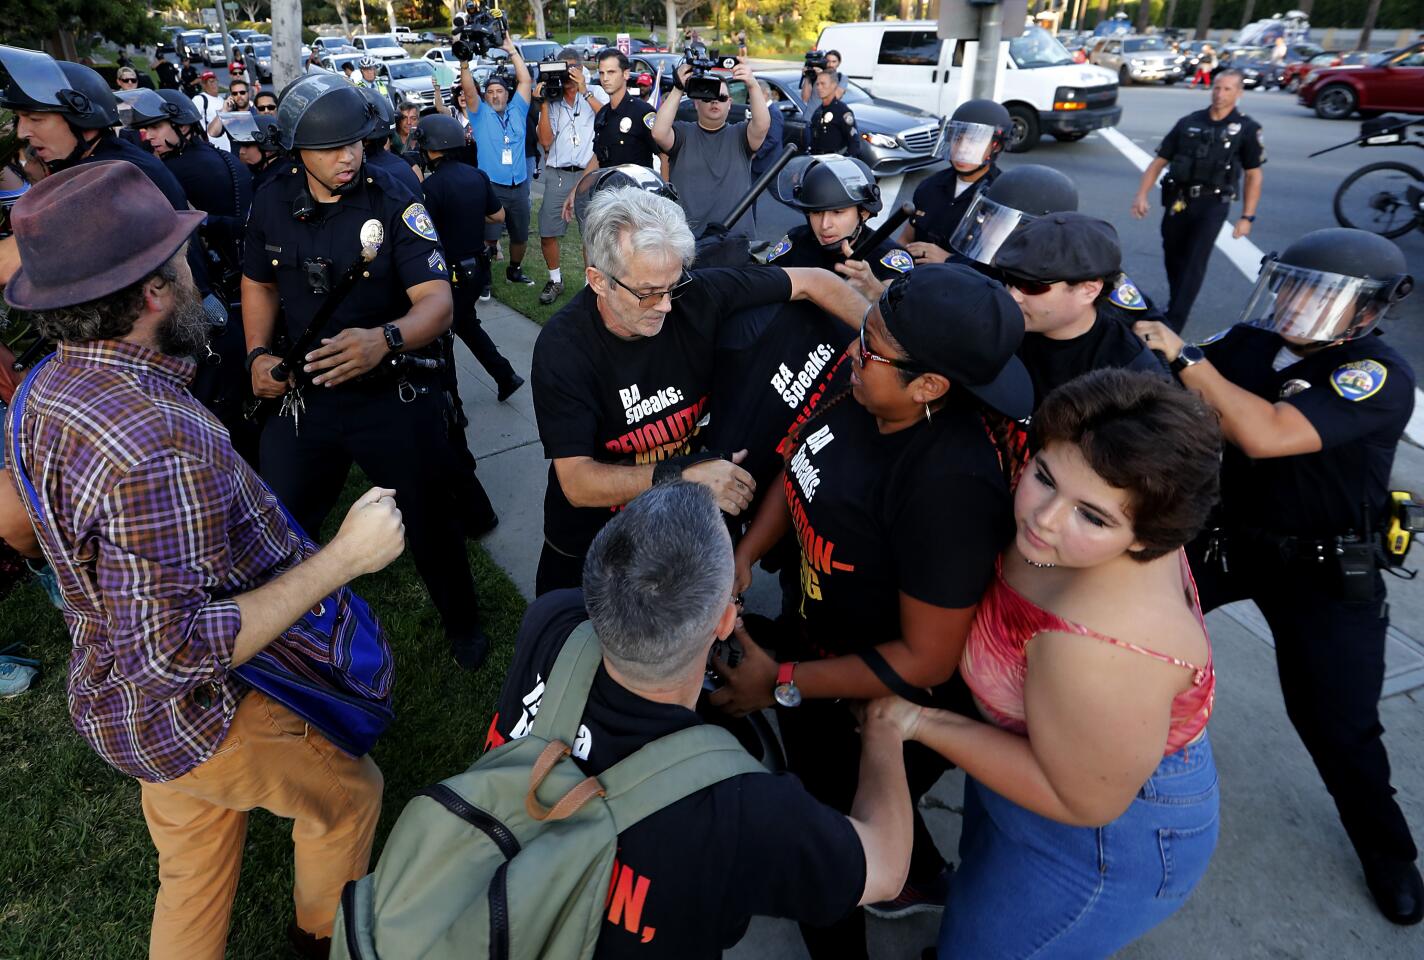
498, 124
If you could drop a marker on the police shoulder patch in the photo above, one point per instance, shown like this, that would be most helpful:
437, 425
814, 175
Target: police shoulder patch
419, 221
649, 119
1359, 380
1126, 295
899, 261
782, 246
849, 118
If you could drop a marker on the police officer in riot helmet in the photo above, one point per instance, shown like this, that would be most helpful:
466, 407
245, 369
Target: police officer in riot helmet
831, 128
66, 113
367, 388
378, 152
1204, 155
970, 141
1313, 401
837, 195
255, 137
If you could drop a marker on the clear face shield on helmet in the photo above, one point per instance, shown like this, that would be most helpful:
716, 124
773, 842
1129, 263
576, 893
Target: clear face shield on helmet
984, 227
858, 188
965, 144
240, 126
1312, 305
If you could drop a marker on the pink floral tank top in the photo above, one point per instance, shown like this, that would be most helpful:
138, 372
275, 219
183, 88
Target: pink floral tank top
995, 661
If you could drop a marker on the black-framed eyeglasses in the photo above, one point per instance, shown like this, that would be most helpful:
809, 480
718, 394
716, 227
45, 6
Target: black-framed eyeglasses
653, 297
867, 354
128, 79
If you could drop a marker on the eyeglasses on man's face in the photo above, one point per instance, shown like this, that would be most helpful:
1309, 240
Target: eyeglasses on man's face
651, 298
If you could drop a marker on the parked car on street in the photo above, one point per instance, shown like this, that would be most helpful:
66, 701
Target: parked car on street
1257, 69
405, 35
428, 37
1138, 59
1393, 83
382, 46
443, 55
332, 45
589, 45
1295, 73
214, 52
337, 61
410, 80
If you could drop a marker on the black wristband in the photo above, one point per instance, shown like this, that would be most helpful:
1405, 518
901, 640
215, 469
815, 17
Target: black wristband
252, 357
677, 82
671, 469
897, 684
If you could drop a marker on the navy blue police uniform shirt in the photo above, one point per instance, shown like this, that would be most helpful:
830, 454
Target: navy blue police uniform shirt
937, 209
624, 134
924, 511
459, 197
1358, 396
217, 183
831, 129
112, 148
277, 245
1241, 141
1110, 343
396, 167
688, 878
800, 248
632, 401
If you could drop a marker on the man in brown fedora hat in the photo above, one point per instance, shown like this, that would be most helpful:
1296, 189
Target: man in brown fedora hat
174, 563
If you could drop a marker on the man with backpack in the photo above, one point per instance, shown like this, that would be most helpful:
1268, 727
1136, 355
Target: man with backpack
658, 836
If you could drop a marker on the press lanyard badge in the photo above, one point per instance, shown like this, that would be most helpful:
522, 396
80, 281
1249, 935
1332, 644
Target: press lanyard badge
506, 157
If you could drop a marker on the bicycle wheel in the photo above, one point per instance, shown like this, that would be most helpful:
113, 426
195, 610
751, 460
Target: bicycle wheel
1381, 198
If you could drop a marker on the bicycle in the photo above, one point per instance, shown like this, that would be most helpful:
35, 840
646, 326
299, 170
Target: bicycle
1386, 198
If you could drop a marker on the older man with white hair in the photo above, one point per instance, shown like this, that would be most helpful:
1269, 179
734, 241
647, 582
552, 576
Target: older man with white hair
623, 373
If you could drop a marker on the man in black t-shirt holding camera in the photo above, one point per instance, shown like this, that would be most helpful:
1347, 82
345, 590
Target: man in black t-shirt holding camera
688, 878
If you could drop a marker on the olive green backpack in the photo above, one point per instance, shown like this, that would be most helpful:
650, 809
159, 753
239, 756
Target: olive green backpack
479, 866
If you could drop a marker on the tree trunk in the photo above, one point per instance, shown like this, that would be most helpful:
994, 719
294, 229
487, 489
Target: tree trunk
1144, 16
1304, 6
1102, 11
286, 42
670, 6
1204, 19
341, 12
1247, 11
1171, 13
390, 17
1370, 16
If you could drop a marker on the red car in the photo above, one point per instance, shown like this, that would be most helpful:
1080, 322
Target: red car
1296, 71
1394, 83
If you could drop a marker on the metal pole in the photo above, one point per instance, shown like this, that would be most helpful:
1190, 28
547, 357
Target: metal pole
986, 63
872, 11
222, 26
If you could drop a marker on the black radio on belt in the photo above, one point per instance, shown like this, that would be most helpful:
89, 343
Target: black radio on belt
317, 271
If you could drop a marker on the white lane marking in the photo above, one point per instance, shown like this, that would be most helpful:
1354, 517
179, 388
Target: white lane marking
1246, 257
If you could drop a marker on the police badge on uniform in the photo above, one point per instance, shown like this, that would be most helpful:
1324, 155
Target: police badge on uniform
1232, 129
1126, 295
782, 246
419, 222
1359, 380
625, 124
899, 261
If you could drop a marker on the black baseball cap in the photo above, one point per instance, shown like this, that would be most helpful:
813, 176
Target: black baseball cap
1061, 246
954, 321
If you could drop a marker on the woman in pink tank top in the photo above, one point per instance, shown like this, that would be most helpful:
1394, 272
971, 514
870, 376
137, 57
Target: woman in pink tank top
1091, 798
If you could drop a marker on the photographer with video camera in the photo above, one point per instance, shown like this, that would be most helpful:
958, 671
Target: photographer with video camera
816, 62
711, 162
566, 113
498, 125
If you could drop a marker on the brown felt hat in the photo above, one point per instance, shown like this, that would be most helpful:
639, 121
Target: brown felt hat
90, 231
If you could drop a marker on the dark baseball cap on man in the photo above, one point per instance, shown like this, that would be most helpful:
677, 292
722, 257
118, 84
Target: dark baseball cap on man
1061, 246
954, 321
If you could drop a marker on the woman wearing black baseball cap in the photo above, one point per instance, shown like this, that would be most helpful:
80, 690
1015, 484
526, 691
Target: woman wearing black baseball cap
899, 496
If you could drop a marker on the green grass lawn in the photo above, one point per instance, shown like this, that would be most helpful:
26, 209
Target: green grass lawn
526, 299
77, 870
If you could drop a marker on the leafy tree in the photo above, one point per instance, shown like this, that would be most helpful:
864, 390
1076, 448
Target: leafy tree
63, 26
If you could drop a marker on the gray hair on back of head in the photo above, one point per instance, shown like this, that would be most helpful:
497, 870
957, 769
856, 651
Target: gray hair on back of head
627, 221
657, 579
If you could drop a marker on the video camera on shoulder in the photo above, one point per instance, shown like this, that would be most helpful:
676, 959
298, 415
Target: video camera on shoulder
478, 31
703, 84
553, 74
815, 62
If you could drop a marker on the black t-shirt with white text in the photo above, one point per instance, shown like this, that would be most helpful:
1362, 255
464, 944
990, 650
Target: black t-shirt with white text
923, 511
688, 878
632, 401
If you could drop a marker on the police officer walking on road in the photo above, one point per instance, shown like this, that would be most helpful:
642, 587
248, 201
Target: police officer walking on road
832, 125
1204, 156
1313, 406
356, 394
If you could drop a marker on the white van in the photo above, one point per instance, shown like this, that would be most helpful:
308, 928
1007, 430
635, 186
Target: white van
1043, 89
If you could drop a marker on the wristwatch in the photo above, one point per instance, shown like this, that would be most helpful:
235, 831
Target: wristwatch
394, 339
1250, 219
252, 357
786, 692
1189, 356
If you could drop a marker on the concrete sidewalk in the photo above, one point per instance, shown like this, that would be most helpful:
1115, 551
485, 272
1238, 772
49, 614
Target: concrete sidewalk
1284, 881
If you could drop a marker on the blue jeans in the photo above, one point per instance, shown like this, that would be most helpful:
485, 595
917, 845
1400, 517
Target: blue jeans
1028, 886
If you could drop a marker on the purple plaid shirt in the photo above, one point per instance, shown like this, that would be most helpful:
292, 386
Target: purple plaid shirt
152, 521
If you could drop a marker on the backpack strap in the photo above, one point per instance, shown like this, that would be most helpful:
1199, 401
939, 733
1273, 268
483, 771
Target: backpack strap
16, 464
566, 689
671, 768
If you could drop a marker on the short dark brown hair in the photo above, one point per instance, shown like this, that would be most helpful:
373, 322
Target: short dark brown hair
1144, 434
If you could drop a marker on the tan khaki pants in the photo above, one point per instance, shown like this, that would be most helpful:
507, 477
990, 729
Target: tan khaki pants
269, 759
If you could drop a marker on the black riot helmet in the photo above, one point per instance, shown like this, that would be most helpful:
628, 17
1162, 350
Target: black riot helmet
245, 127
1015, 197
439, 132
319, 111
611, 178
185, 110
974, 134
36, 82
1332, 284
828, 182
385, 112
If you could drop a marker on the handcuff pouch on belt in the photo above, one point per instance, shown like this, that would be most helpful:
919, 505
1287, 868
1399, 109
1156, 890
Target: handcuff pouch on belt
473, 271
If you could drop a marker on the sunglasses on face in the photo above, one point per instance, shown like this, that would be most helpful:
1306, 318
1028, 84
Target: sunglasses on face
655, 297
128, 80
266, 108
867, 355
721, 98
1027, 285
